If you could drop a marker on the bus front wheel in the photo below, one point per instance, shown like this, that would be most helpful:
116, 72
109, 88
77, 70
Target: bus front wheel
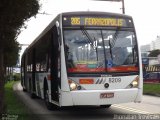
46, 98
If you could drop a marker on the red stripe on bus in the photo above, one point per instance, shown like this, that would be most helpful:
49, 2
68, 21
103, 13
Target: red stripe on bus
122, 69
112, 69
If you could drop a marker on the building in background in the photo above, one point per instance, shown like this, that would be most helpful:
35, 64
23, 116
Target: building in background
150, 64
145, 48
155, 44
152, 46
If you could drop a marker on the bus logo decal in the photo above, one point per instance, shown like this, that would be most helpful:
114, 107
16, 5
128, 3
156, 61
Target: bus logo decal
100, 81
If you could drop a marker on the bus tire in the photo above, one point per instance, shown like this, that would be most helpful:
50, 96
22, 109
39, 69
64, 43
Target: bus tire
49, 105
33, 96
105, 106
24, 90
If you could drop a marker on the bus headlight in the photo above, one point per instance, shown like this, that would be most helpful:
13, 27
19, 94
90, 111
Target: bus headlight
74, 86
134, 83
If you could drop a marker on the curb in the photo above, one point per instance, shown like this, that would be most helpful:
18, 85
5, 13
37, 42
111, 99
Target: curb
152, 94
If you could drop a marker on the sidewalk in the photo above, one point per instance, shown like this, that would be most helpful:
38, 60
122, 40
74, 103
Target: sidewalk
152, 94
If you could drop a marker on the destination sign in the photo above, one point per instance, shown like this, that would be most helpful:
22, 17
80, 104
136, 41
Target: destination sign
96, 21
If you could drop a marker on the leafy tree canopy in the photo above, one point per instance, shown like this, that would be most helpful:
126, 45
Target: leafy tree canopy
11, 54
13, 14
154, 53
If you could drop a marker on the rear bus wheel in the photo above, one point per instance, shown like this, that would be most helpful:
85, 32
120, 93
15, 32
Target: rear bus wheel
24, 89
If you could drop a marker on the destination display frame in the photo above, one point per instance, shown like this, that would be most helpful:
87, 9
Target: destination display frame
96, 21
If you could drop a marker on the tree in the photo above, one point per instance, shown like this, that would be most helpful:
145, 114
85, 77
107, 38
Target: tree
13, 15
154, 53
11, 56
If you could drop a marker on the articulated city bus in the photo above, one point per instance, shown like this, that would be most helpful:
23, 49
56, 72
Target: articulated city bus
84, 58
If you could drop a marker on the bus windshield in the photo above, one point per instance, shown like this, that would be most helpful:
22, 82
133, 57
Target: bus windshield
100, 51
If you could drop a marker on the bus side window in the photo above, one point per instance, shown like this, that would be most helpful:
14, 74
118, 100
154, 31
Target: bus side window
42, 53
48, 59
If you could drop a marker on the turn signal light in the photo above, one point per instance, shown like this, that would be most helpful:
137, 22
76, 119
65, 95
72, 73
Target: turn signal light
86, 81
134, 83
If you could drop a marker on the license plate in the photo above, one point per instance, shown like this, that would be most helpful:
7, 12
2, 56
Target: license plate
106, 95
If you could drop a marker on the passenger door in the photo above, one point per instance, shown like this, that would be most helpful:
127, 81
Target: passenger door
55, 57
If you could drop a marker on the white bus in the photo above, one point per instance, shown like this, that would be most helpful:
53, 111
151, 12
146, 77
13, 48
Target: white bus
84, 58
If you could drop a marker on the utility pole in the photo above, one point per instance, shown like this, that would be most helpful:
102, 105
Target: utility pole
123, 6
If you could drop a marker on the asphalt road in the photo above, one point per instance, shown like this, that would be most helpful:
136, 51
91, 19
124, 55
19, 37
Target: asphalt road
149, 108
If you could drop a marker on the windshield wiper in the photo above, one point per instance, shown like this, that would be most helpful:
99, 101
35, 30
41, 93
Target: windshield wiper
88, 36
115, 37
110, 49
90, 40
111, 45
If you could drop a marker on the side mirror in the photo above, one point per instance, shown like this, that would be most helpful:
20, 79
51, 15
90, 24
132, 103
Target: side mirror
58, 31
57, 24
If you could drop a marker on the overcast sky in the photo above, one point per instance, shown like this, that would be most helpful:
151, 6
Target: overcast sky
145, 14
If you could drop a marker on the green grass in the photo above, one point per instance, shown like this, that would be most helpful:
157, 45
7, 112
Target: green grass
151, 89
13, 105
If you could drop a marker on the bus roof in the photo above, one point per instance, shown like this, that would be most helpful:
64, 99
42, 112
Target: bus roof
77, 13
97, 13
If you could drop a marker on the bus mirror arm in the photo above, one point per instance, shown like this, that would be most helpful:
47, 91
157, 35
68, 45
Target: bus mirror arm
57, 24
58, 31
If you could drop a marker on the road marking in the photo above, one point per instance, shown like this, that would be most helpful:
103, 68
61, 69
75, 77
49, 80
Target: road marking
132, 109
